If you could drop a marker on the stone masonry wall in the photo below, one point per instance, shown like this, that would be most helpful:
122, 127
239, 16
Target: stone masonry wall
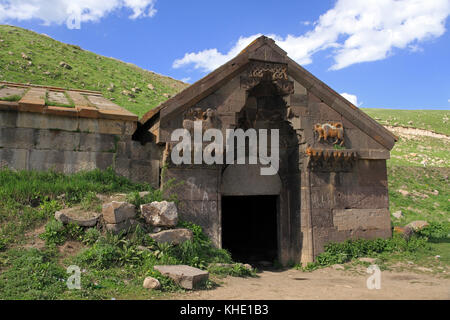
36, 141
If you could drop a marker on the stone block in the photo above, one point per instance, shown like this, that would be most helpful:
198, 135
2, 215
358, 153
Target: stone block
77, 216
204, 213
185, 276
173, 236
116, 212
160, 214
8, 119
116, 228
17, 138
97, 142
88, 125
353, 219
110, 126
145, 171
194, 184
14, 158
46, 121
57, 140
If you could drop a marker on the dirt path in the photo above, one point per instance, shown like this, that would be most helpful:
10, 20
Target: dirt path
408, 132
327, 284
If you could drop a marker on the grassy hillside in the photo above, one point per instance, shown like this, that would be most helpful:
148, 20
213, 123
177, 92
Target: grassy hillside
29, 57
419, 167
433, 120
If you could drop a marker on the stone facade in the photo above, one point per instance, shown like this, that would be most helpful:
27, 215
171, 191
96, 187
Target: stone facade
332, 180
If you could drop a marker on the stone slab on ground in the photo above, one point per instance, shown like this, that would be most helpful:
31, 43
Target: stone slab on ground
173, 236
186, 276
77, 216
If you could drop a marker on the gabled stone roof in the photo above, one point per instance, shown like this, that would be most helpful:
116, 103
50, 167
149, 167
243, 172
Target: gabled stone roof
60, 101
265, 49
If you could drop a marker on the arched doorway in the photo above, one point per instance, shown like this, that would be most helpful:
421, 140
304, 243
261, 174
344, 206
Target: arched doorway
250, 209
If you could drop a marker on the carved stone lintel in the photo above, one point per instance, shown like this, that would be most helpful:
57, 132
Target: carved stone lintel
284, 87
331, 160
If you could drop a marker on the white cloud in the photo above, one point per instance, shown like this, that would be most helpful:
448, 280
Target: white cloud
354, 30
352, 98
60, 11
208, 60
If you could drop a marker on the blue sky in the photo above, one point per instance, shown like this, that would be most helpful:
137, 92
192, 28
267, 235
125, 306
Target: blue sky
384, 53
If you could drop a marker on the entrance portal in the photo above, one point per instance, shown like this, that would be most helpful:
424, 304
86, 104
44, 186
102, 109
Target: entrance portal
249, 228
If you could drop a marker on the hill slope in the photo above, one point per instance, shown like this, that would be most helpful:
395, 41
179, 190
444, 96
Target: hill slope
29, 57
419, 168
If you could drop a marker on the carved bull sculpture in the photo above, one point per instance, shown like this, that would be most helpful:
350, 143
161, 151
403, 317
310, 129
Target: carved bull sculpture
330, 130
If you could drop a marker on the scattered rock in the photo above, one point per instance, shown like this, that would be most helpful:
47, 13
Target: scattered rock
128, 94
160, 214
410, 122
338, 267
423, 269
10, 53
150, 86
417, 225
136, 90
25, 57
151, 283
143, 193
65, 65
435, 192
369, 260
116, 212
77, 216
142, 248
174, 236
185, 276
121, 226
398, 214
156, 229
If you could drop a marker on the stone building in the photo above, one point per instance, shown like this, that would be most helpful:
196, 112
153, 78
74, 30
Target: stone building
331, 184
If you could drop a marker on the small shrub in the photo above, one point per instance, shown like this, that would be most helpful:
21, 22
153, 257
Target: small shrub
236, 270
338, 253
435, 231
54, 233
91, 235
48, 208
57, 233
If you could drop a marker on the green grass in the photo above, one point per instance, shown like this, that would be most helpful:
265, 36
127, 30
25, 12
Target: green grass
433, 120
71, 104
419, 249
114, 266
12, 98
428, 196
89, 70
28, 198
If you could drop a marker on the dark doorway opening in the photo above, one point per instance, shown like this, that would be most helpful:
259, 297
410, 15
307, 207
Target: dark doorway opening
249, 228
